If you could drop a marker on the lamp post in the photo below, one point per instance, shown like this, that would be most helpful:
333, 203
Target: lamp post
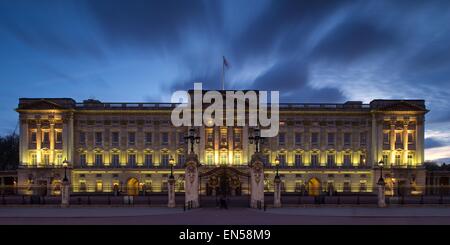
256, 139
277, 165
277, 185
65, 164
171, 163
381, 187
192, 138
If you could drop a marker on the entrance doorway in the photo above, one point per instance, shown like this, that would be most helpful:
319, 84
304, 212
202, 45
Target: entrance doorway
132, 187
314, 187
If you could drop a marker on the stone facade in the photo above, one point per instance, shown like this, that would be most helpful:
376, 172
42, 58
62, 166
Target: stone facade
126, 147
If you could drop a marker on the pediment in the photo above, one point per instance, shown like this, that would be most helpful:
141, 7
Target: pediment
402, 106
42, 105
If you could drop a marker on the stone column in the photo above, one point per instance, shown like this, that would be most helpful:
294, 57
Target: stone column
405, 143
420, 140
171, 182
52, 143
277, 192
381, 193
392, 142
65, 193
38, 142
257, 181
191, 181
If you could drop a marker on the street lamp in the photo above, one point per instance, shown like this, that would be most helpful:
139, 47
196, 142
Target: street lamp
381, 164
171, 163
192, 138
277, 165
256, 138
65, 164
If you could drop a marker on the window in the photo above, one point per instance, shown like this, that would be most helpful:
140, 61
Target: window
314, 138
115, 160
115, 138
98, 159
314, 160
282, 158
362, 187
131, 138
46, 159
82, 138
59, 159
347, 160
237, 139
34, 159
83, 160
397, 159
237, 158
132, 160
298, 138
98, 138
165, 138
99, 186
363, 138
148, 160
46, 137
223, 158
58, 137
281, 138
410, 138
209, 137
386, 138
82, 186
180, 138
347, 138
410, 159
181, 159
386, 159
165, 159
223, 137
347, 187
33, 137
298, 160
331, 138
398, 138
362, 159
209, 158
148, 138
330, 160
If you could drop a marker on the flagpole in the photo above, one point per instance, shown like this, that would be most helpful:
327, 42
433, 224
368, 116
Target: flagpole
223, 74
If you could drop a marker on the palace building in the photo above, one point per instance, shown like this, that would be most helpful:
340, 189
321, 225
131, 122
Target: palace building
129, 147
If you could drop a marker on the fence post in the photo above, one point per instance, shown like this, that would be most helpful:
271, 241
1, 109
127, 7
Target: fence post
89, 200
421, 199
357, 199
109, 200
23, 199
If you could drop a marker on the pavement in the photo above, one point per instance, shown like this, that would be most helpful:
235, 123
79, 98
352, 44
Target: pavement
232, 216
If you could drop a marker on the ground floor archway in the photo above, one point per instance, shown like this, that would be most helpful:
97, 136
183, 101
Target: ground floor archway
314, 187
132, 187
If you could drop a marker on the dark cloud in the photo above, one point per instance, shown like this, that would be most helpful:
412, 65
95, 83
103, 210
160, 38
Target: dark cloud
432, 143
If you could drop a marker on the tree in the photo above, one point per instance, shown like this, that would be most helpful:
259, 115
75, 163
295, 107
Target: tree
9, 152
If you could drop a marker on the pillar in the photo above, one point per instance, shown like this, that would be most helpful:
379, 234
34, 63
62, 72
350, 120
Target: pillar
256, 181
392, 143
38, 142
65, 193
52, 143
192, 181
405, 143
381, 193
171, 183
277, 192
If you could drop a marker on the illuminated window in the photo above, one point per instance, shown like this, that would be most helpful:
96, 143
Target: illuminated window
386, 159
33, 137
298, 159
82, 186
99, 186
148, 159
237, 158
362, 159
362, 186
410, 159
397, 159
410, 138
59, 159
115, 160
330, 160
46, 137
386, 138
98, 159
58, 137
347, 160
209, 158
132, 159
223, 158
165, 159
282, 158
33, 158
223, 137
398, 138
83, 160
131, 138
314, 160
347, 187
46, 159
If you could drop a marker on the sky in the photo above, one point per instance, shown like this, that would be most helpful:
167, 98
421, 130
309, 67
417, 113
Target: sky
311, 51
